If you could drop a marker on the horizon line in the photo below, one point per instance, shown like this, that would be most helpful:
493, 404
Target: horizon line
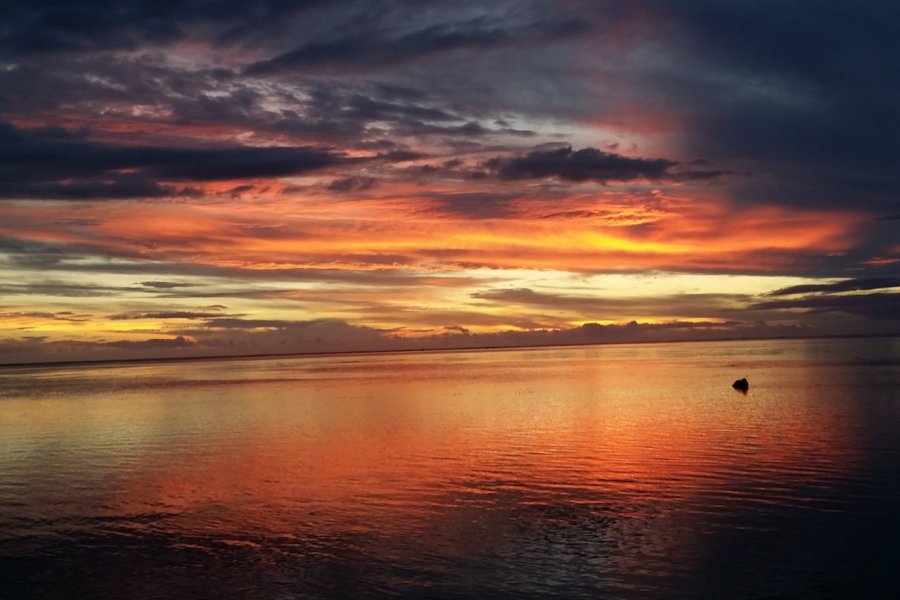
168, 359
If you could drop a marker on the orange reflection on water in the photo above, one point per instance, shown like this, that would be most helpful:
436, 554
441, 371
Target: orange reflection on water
418, 444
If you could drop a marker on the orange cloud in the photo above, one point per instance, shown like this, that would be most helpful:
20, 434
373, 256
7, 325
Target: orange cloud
400, 229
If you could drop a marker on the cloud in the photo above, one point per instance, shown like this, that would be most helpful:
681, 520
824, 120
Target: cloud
166, 285
457, 329
351, 184
216, 164
334, 335
43, 163
67, 316
172, 314
479, 205
847, 285
225, 322
799, 112
587, 164
26, 253
151, 344
56, 288
368, 46
719, 307
878, 306
115, 187
56, 26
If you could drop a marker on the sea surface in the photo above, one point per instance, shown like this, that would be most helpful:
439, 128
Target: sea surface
631, 471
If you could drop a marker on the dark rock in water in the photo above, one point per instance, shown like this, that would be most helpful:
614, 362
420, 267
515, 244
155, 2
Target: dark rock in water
741, 384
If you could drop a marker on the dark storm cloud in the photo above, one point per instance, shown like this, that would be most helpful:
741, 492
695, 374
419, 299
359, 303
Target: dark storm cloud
346, 112
587, 164
231, 163
342, 32
85, 42
877, 306
848, 285
115, 187
355, 111
805, 93
50, 163
97, 82
51, 26
382, 108
367, 46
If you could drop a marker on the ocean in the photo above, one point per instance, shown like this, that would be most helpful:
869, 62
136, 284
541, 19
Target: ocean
627, 471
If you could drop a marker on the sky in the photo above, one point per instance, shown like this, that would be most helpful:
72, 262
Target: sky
212, 177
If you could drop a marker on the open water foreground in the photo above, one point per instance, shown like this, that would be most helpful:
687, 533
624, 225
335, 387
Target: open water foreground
595, 472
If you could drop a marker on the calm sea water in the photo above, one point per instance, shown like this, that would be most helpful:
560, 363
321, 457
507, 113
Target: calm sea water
595, 472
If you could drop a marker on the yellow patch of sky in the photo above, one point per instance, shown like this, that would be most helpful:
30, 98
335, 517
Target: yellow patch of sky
444, 291
598, 241
652, 283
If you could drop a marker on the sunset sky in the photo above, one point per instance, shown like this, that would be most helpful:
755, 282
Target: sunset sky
196, 178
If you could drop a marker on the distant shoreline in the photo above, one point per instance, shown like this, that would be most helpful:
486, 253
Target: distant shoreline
179, 359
